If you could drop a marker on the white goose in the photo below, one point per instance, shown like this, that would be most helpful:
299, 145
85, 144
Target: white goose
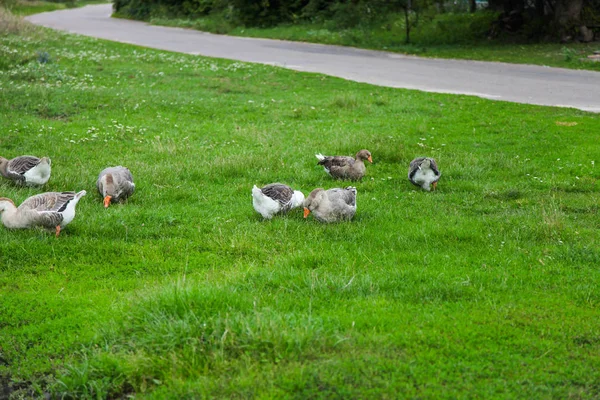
52, 210
331, 205
275, 198
115, 184
26, 170
424, 172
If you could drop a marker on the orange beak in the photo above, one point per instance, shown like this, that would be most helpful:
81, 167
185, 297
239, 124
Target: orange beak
107, 201
306, 212
370, 159
434, 184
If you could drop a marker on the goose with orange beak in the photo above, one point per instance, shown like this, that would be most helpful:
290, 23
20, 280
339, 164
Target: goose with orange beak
344, 167
331, 205
115, 184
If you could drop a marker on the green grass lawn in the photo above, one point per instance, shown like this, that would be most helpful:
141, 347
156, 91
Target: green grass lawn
27, 7
486, 288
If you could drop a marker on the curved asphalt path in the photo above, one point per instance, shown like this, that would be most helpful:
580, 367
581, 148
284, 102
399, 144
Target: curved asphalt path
498, 81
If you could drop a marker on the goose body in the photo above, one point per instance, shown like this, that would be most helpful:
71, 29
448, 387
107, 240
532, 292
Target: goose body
49, 210
331, 205
115, 184
344, 167
424, 172
26, 170
275, 198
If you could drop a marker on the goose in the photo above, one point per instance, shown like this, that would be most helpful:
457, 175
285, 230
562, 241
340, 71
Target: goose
331, 205
344, 167
275, 198
26, 170
53, 210
423, 172
115, 184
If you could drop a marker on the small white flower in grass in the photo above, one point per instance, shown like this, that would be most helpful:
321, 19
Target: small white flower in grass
443, 144
250, 101
593, 163
577, 177
558, 159
422, 138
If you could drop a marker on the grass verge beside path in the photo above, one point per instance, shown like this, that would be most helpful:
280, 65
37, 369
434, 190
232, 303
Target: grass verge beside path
488, 287
24, 7
431, 42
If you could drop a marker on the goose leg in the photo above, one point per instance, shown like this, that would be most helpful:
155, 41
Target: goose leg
57, 230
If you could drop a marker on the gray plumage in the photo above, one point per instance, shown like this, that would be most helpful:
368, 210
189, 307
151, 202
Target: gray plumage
115, 184
331, 205
26, 169
424, 172
344, 167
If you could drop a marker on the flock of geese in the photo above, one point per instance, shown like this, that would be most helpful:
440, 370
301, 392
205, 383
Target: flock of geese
337, 204
55, 210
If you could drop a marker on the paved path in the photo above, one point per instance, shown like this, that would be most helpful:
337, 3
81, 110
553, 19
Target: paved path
499, 81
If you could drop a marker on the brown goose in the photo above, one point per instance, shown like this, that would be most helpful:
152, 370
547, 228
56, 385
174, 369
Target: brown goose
115, 184
50, 210
424, 172
344, 167
26, 170
275, 198
331, 205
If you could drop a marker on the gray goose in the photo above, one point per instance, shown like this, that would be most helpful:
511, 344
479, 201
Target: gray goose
115, 184
53, 210
424, 172
275, 198
26, 170
344, 167
331, 205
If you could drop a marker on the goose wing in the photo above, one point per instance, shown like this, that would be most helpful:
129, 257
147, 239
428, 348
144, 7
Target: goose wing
434, 168
414, 167
49, 202
279, 192
20, 165
336, 161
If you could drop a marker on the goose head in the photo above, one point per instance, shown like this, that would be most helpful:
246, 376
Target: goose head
6, 204
313, 200
364, 155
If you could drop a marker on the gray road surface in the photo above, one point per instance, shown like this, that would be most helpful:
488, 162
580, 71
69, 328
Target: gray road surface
498, 81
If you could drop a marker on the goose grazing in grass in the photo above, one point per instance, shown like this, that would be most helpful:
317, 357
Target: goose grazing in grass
115, 184
51, 210
26, 170
331, 205
344, 167
275, 198
424, 172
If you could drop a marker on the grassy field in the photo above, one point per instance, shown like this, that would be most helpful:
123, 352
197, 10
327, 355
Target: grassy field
486, 288
460, 36
27, 7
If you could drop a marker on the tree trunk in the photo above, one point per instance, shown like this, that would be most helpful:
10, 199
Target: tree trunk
472, 6
407, 20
